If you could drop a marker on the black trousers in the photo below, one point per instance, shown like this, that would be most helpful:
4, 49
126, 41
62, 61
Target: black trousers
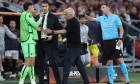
73, 57
45, 51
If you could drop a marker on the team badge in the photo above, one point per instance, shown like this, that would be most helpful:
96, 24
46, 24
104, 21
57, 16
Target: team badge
110, 24
30, 16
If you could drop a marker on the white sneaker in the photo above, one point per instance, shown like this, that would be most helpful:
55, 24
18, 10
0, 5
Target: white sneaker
1, 78
33, 82
21, 82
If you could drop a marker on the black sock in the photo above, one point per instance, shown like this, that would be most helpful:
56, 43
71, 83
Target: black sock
14, 69
2, 72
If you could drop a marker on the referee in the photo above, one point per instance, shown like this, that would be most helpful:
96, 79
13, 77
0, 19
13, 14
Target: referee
112, 41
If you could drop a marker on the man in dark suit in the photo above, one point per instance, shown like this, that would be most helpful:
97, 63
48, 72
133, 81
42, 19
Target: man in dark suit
47, 44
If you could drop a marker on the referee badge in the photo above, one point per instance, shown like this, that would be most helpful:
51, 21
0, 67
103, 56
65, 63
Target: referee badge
110, 24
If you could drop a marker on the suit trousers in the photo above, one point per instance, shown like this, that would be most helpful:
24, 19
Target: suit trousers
73, 57
45, 51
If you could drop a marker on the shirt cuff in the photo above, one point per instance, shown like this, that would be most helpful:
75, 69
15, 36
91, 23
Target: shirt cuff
40, 17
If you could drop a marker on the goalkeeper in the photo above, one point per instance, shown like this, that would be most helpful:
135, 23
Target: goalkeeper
28, 35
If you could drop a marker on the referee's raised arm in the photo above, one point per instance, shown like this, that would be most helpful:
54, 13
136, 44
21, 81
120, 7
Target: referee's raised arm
89, 18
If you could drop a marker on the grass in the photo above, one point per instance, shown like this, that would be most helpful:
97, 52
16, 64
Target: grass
134, 79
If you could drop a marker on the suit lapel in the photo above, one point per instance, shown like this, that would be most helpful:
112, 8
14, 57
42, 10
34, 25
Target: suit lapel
48, 19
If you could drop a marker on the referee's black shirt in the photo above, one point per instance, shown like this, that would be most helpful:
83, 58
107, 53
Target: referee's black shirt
73, 33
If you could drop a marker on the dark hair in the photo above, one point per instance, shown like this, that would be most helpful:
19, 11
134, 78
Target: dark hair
1, 15
81, 16
107, 5
26, 5
45, 2
12, 21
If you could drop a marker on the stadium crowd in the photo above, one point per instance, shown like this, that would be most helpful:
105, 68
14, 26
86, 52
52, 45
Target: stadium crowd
127, 10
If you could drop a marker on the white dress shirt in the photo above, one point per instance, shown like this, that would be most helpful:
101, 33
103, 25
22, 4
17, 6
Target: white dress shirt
44, 26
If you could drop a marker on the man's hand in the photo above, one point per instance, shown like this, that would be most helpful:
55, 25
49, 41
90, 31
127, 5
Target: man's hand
98, 44
92, 41
44, 31
41, 14
18, 39
119, 43
39, 29
49, 31
81, 11
49, 38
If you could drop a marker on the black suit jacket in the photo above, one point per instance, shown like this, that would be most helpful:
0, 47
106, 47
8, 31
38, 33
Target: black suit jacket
53, 24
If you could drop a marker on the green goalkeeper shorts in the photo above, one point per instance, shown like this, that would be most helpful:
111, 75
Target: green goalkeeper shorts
28, 47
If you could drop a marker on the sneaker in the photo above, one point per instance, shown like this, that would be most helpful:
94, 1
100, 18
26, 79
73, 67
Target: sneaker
1, 78
127, 82
21, 82
13, 75
5, 76
33, 82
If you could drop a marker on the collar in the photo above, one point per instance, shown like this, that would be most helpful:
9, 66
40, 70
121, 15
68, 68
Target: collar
109, 16
71, 19
13, 30
47, 13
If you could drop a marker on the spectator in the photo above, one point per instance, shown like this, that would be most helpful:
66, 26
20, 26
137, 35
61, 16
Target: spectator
12, 48
93, 34
130, 4
15, 2
16, 6
133, 15
59, 2
125, 3
125, 15
71, 4
37, 5
3, 30
35, 13
84, 39
22, 2
114, 9
62, 8
119, 4
52, 8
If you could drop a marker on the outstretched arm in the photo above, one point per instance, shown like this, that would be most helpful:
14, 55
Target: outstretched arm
54, 31
89, 18
9, 33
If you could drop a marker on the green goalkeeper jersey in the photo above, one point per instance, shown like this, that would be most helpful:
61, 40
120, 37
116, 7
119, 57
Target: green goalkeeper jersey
28, 25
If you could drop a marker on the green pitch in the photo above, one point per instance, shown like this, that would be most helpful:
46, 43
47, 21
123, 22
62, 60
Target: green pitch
134, 79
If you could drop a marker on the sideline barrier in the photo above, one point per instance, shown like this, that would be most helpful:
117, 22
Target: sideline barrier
95, 75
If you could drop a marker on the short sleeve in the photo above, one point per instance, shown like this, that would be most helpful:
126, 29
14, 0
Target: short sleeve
97, 19
118, 21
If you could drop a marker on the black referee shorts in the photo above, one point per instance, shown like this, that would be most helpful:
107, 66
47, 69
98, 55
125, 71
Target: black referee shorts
109, 49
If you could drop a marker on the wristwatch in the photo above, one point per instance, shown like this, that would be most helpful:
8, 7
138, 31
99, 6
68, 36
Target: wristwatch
52, 32
120, 39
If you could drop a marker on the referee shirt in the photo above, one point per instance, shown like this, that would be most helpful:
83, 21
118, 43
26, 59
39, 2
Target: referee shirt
109, 25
